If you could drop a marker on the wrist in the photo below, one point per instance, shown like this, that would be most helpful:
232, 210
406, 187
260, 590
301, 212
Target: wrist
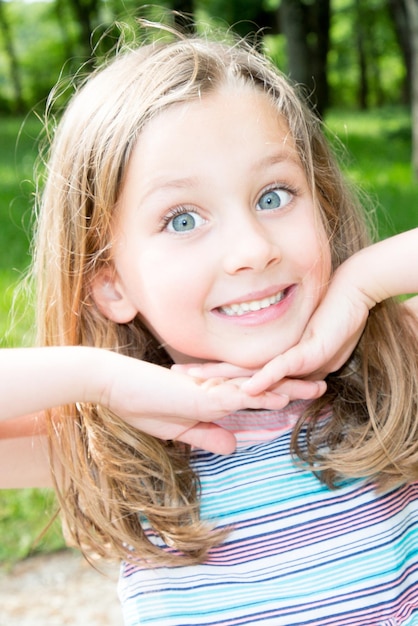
361, 274
350, 284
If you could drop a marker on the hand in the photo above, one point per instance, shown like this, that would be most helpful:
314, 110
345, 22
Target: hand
292, 388
171, 405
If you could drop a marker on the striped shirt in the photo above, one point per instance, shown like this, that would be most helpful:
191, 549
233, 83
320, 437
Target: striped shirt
298, 552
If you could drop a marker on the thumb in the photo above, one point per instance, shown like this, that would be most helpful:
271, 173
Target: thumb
210, 437
295, 363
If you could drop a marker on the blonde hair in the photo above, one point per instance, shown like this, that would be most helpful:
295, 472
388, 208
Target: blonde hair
113, 476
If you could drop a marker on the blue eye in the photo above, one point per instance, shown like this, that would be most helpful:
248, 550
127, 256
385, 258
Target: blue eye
274, 199
184, 221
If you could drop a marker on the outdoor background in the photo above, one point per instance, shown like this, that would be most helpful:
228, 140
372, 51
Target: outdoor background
355, 57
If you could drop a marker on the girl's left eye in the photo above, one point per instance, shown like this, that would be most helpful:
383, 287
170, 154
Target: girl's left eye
276, 198
183, 221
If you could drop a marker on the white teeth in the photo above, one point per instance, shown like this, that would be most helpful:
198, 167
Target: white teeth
254, 305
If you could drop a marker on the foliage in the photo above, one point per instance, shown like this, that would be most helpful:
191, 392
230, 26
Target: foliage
43, 46
28, 524
384, 71
18, 153
377, 158
50, 43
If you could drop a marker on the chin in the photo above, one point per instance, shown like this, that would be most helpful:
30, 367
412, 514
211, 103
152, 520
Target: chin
257, 362
254, 363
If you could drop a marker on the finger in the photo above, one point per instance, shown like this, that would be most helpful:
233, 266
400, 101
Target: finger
212, 370
298, 389
297, 362
268, 376
209, 437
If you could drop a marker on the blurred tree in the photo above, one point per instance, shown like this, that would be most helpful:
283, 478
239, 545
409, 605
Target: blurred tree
61, 11
306, 24
247, 17
365, 63
368, 22
411, 7
340, 61
86, 13
17, 100
399, 16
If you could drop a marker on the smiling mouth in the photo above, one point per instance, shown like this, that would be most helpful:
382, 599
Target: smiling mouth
242, 308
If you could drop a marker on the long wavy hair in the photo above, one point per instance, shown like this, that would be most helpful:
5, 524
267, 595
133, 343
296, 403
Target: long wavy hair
113, 481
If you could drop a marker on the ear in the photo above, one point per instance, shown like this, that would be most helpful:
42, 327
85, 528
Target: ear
109, 297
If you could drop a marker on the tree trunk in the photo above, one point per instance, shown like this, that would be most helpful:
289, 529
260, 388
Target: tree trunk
321, 26
293, 21
63, 26
398, 12
306, 27
184, 15
412, 13
363, 88
86, 14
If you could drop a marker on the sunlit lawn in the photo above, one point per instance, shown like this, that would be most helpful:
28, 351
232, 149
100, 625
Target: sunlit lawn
378, 159
379, 153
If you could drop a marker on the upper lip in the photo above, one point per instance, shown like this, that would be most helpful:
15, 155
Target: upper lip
255, 295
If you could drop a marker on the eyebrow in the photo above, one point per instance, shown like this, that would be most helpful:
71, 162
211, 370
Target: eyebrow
162, 184
289, 155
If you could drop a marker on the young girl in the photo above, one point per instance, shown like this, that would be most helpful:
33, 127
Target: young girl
193, 213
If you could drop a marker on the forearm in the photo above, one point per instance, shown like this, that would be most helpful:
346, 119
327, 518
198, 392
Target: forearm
388, 268
23, 426
34, 379
24, 463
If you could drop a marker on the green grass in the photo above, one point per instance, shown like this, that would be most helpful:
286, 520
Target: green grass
28, 525
378, 145
18, 153
378, 159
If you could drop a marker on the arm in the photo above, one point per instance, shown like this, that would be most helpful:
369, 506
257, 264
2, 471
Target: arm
387, 268
34, 379
24, 462
23, 453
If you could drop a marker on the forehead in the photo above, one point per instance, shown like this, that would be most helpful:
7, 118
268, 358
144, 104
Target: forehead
237, 113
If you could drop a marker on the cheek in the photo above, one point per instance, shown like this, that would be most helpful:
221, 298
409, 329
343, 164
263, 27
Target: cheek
309, 247
169, 294
324, 256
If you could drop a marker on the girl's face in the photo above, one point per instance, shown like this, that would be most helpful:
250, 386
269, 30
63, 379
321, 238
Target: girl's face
218, 246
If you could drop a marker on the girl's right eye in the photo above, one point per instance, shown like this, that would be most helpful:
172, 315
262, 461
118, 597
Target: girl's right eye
182, 221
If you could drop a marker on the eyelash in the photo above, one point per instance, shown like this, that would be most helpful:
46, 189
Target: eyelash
293, 191
178, 210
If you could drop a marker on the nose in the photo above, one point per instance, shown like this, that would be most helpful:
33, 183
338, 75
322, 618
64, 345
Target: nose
250, 245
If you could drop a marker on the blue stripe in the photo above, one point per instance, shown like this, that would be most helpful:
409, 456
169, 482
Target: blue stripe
299, 553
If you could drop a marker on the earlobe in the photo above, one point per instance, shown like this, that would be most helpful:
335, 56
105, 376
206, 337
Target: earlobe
110, 298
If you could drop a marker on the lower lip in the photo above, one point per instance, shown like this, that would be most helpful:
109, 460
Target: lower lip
262, 316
